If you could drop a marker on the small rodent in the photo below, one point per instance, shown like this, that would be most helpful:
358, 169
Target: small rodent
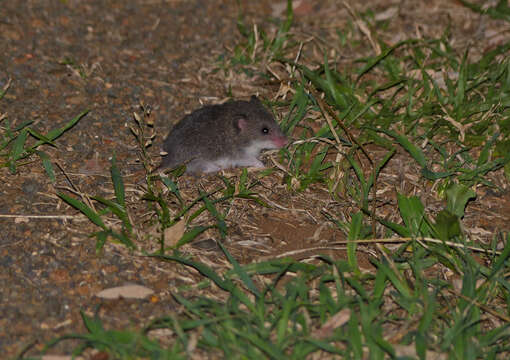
224, 136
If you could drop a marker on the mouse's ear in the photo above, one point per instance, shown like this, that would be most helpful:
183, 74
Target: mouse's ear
240, 122
255, 99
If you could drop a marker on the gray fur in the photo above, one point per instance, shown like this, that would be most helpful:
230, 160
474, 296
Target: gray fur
215, 137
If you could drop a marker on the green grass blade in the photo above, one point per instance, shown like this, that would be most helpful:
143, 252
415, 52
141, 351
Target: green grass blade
247, 281
117, 209
401, 230
412, 212
354, 234
457, 196
281, 35
48, 166
5, 89
447, 226
93, 324
412, 149
18, 147
222, 226
501, 259
332, 87
123, 238
272, 351
55, 133
85, 209
395, 279
101, 237
469, 176
172, 186
190, 235
485, 153
461, 85
374, 61
23, 125
224, 284
499, 11
40, 137
299, 103
355, 337
118, 184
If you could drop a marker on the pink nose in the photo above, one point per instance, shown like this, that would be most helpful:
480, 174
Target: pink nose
280, 141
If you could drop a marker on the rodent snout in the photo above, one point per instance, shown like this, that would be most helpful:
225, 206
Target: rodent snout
280, 141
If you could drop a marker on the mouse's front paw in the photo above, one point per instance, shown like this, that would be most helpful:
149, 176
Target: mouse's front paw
202, 167
258, 164
252, 162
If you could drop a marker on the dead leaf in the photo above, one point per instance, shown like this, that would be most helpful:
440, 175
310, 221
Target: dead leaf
126, 292
300, 7
174, 234
278, 8
93, 166
387, 14
409, 351
337, 320
76, 100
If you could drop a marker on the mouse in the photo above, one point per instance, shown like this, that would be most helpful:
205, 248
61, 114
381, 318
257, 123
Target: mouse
223, 136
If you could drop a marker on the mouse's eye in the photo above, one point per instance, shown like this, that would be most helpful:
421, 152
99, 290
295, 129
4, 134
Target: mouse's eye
265, 130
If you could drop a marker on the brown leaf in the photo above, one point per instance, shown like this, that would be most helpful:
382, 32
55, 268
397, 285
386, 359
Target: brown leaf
126, 292
337, 320
174, 234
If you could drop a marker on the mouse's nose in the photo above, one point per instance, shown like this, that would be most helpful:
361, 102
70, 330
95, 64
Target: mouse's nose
280, 141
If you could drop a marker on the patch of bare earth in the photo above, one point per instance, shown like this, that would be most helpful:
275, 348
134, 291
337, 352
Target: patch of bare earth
67, 56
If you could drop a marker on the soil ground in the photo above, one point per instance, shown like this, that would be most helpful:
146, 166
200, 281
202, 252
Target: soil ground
109, 56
